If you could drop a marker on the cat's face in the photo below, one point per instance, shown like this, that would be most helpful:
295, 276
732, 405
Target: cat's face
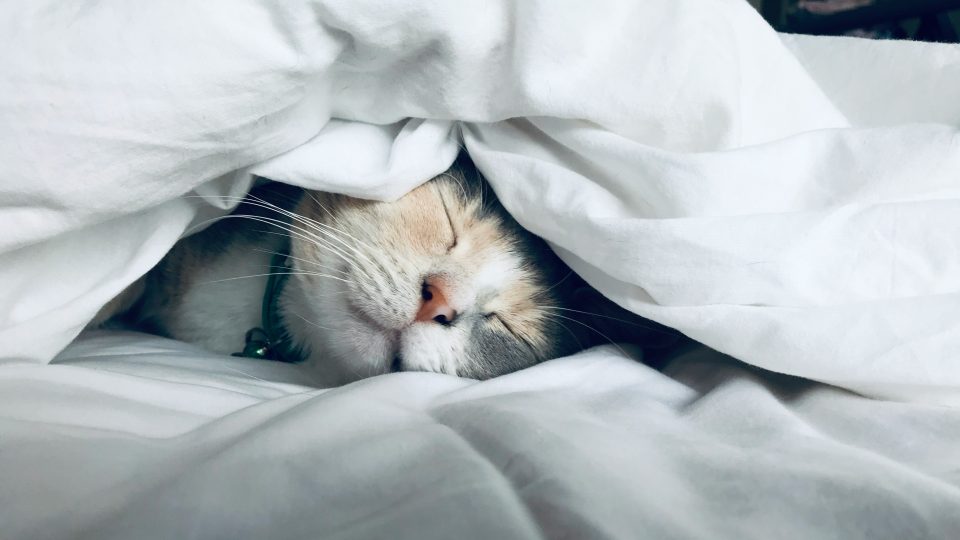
441, 280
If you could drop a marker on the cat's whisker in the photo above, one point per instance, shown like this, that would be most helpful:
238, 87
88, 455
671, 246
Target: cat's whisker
353, 263
314, 224
326, 230
555, 285
308, 321
322, 206
306, 261
459, 182
350, 259
351, 237
483, 193
326, 210
336, 219
572, 334
257, 202
191, 230
273, 274
282, 225
601, 334
299, 232
624, 321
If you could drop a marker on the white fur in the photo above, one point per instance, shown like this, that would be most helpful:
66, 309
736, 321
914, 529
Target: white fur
216, 313
500, 268
431, 347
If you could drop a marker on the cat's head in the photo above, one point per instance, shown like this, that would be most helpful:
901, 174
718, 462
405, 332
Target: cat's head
440, 280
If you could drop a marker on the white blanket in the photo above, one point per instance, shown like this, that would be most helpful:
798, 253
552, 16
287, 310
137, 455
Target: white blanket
793, 202
126, 437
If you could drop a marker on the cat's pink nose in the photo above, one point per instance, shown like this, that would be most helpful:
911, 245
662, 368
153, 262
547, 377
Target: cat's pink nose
435, 306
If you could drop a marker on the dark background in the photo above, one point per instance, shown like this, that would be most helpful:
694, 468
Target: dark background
925, 20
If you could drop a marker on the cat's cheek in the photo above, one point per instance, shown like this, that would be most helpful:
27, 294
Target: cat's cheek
345, 350
368, 352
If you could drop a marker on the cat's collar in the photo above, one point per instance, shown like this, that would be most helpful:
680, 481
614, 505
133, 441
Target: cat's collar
270, 341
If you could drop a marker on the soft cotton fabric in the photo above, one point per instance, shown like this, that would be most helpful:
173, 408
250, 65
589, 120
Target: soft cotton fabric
128, 436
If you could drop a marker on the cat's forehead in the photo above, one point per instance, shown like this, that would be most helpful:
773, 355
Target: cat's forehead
490, 248
492, 272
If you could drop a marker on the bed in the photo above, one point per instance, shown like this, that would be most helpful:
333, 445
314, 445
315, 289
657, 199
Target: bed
790, 203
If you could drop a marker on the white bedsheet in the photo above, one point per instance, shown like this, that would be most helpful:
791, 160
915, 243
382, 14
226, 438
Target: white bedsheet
139, 437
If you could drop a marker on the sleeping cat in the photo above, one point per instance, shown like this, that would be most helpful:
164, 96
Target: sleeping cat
441, 280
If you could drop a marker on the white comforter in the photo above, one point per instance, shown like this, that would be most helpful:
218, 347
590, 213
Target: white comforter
793, 202
127, 437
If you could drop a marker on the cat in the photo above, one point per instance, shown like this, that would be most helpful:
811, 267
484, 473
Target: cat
441, 280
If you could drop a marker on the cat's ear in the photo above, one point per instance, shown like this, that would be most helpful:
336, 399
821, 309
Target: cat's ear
609, 322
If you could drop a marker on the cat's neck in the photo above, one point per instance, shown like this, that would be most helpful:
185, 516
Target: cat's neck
223, 302
299, 332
